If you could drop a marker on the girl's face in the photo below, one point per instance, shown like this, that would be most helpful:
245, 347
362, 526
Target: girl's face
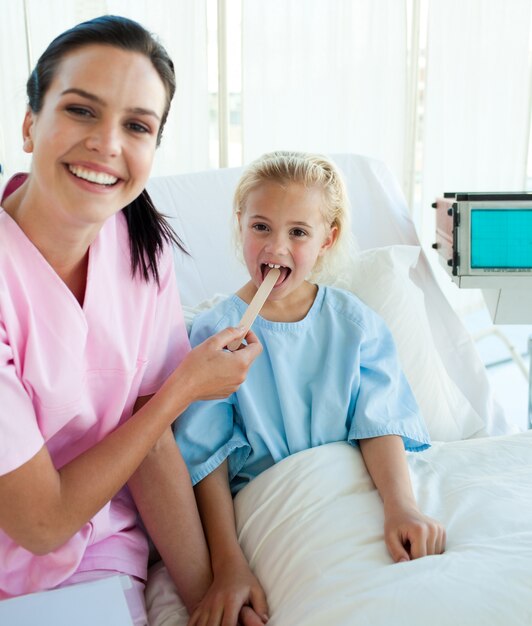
94, 140
284, 226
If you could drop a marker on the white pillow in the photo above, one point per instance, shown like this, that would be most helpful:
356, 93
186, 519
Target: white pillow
380, 277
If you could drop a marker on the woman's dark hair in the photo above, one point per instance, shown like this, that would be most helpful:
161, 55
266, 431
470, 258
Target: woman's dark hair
148, 229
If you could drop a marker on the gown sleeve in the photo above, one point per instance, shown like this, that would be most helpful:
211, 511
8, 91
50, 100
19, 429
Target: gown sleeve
385, 404
207, 432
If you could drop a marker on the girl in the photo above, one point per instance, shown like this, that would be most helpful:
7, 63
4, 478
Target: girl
94, 358
328, 372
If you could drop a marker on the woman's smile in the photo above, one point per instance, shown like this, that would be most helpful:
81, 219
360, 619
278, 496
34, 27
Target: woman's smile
93, 176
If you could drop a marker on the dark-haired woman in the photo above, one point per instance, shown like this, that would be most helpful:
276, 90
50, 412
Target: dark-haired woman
94, 358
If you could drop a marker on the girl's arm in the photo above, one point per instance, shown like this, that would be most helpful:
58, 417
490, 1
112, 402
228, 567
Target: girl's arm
163, 493
41, 507
408, 533
235, 589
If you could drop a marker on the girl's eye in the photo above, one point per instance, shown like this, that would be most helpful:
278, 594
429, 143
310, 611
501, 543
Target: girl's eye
297, 232
259, 227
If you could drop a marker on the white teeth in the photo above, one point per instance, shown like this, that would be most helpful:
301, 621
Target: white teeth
93, 177
273, 265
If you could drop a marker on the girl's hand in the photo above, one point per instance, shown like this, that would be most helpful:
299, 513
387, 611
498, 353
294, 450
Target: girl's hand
209, 371
234, 598
409, 534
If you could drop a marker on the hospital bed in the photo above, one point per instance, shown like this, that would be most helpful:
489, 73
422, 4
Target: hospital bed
312, 525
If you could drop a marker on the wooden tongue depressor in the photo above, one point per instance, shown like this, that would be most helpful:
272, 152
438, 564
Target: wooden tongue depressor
256, 304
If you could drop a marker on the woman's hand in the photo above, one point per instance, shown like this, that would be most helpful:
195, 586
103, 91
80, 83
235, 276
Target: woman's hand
235, 597
409, 534
210, 371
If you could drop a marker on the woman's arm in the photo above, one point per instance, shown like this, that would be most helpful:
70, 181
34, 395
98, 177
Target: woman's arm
163, 493
42, 507
408, 533
235, 587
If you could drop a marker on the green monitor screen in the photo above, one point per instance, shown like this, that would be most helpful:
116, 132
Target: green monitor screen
501, 238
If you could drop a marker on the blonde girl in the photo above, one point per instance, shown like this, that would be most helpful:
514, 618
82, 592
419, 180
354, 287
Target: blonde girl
328, 372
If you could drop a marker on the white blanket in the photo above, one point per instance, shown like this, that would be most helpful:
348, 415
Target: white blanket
312, 529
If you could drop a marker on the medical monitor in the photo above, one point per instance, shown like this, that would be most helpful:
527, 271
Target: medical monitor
501, 238
485, 241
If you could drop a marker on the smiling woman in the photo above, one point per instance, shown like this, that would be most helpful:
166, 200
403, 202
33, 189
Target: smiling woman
93, 141
95, 363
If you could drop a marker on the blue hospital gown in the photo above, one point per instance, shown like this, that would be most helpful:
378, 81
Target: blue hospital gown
333, 376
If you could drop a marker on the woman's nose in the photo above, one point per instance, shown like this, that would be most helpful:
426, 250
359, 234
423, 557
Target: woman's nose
104, 139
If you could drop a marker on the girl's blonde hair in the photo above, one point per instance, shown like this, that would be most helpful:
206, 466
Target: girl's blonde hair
310, 170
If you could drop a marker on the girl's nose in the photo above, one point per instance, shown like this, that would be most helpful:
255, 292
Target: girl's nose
104, 139
277, 244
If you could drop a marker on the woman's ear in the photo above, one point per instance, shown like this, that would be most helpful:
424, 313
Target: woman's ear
27, 132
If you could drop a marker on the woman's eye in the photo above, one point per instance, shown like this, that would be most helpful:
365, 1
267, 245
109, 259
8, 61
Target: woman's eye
259, 227
297, 232
79, 111
138, 128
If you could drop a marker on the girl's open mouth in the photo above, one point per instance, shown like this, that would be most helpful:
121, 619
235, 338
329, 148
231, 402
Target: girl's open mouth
285, 272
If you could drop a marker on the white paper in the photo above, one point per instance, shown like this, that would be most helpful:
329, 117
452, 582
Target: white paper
101, 602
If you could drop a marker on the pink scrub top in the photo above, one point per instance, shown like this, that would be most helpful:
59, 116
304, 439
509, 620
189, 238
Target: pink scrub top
69, 375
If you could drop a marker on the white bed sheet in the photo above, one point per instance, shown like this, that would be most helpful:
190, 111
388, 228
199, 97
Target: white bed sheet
312, 529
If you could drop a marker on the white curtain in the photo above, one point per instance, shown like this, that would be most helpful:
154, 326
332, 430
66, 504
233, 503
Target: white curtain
477, 107
477, 110
13, 75
325, 75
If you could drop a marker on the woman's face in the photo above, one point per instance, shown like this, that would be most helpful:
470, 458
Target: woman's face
94, 140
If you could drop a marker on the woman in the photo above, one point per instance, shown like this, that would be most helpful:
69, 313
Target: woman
94, 358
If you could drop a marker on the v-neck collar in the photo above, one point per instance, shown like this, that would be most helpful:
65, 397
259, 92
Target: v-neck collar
41, 259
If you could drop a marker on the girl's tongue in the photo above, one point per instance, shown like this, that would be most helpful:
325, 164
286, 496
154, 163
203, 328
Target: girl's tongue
282, 276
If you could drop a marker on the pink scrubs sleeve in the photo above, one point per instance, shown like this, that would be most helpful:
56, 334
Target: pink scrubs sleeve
20, 437
169, 343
